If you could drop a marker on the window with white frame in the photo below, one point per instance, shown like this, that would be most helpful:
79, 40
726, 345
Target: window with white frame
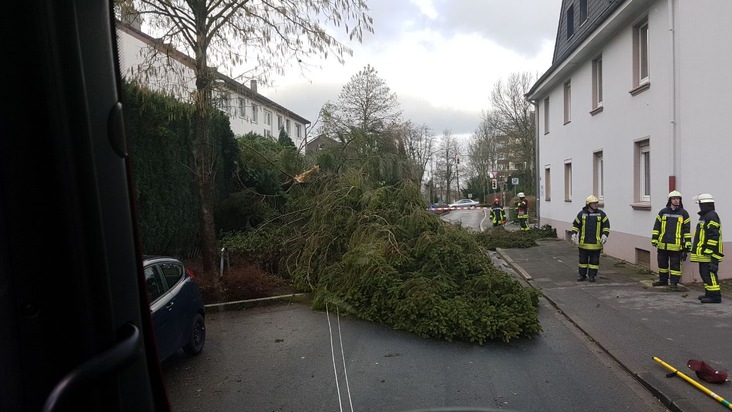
547, 183
298, 130
642, 171
641, 45
255, 113
567, 101
598, 179
567, 180
597, 83
242, 107
268, 118
546, 115
279, 122
287, 126
267, 133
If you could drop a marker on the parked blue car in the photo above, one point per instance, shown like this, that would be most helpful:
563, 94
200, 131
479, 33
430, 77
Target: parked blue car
176, 306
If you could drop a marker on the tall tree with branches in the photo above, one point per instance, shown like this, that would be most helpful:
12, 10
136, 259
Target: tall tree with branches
229, 34
419, 144
512, 116
482, 149
446, 173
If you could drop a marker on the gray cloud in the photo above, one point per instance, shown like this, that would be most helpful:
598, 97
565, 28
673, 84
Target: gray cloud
518, 25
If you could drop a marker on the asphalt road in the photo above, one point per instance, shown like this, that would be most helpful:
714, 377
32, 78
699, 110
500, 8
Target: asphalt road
289, 358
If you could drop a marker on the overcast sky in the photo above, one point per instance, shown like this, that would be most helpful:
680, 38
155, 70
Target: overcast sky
441, 58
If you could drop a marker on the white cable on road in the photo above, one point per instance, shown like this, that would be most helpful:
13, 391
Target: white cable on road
343, 356
332, 355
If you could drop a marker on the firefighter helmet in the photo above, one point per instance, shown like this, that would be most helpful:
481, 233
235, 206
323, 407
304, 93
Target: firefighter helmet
675, 193
591, 199
704, 198
521, 194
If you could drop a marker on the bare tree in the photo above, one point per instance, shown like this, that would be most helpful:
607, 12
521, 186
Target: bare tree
512, 116
446, 172
419, 144
483, 152
225, 34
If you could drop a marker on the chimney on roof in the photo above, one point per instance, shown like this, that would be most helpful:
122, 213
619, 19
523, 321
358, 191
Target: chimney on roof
253, 85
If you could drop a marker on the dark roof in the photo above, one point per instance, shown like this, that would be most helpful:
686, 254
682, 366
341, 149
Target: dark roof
190, 62
597, 12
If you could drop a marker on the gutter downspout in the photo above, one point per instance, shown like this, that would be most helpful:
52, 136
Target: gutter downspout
674, 100
537, 175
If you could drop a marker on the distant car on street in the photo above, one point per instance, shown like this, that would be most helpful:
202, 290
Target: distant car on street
464, 203
176, 306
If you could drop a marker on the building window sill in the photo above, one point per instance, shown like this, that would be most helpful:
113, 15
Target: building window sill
567, 122
640, 89
641, 206
596, 110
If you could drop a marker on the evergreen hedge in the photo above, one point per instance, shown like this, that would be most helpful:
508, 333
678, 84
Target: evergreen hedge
159, 131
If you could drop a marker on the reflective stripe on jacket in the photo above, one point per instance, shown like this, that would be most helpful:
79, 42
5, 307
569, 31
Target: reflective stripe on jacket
590, 226
672, 229
707, 239
497, 214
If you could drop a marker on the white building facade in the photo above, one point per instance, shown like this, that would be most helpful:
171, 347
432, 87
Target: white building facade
634, 106
248, 111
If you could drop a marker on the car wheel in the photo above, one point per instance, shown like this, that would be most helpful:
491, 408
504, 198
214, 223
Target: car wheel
198, 337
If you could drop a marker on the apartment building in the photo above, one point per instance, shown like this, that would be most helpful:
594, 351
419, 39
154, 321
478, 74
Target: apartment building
248, 110
634, 106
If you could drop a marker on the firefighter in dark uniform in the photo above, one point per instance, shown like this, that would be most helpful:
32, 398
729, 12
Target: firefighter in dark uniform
672, 239
522, 211
591, 228
707, 248
497, 215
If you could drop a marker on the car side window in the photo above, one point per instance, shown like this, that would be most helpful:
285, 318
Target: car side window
172, 272
155, 284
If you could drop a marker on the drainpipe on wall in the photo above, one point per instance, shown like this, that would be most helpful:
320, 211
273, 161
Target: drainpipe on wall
537, 175
674, 100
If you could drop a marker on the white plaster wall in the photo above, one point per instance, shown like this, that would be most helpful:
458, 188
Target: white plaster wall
701, 86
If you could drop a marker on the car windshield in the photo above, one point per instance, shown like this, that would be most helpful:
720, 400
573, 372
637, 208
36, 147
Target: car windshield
295, 169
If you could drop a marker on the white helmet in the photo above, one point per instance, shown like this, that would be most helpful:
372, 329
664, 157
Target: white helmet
521, 194
704, 198
675, 193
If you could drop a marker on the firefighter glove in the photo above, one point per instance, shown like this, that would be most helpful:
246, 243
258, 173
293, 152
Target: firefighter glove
574, 238
603, 239
654, 242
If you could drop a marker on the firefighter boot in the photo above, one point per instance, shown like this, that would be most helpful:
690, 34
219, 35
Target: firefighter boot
711, 299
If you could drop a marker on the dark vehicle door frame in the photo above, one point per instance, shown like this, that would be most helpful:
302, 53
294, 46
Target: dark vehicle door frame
76, 330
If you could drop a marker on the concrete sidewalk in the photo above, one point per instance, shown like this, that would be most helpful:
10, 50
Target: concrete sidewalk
633, 321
